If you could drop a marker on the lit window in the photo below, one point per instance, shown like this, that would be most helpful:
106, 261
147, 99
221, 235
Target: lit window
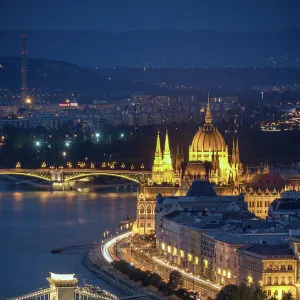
229, 274
163, 246
205, 263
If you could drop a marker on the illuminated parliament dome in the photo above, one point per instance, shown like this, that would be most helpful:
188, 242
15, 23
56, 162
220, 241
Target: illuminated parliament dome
208, 154
208, 141
208, 138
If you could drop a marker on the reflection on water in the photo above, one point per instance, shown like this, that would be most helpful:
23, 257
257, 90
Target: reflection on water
31, 223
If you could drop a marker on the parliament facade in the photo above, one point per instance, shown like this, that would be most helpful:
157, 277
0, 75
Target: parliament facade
208, 159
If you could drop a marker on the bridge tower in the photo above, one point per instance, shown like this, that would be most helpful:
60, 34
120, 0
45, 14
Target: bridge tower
62, 285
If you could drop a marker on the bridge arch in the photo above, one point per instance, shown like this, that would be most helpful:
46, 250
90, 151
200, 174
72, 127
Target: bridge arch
131, 177
43, 176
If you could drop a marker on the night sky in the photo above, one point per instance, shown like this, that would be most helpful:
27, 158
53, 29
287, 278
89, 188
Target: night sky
123, 15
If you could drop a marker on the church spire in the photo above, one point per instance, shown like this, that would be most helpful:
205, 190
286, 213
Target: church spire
167, 153
237, 151
158, 154
158, 148
208, 117
233, 155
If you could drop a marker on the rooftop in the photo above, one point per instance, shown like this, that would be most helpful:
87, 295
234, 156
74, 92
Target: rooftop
269, 250
267, 180
201, 188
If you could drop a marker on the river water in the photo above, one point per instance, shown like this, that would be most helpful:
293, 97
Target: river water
31, 223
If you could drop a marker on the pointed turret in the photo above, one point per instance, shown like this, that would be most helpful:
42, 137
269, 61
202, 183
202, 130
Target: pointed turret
167, 153
208, 117
237, 151
233, 155
158, 154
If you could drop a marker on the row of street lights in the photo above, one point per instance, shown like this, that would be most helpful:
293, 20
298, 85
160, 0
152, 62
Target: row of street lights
83, 165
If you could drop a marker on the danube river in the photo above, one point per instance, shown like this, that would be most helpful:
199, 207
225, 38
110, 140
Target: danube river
31, 223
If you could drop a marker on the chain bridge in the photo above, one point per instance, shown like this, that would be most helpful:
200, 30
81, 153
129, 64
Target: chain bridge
63, 287
65, 178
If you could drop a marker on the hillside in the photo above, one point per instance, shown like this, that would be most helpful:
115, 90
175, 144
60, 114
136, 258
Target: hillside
56, 75
172, 49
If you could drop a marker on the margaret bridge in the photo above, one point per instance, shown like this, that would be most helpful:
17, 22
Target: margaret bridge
66, 178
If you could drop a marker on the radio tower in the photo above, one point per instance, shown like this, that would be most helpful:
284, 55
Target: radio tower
24, 88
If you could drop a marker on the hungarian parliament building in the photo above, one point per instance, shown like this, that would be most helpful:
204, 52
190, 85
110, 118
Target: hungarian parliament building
208, 159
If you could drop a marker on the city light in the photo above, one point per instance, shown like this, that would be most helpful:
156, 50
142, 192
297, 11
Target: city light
107, 245
38, 143
97, 135
67, 144
64, 154
122, 135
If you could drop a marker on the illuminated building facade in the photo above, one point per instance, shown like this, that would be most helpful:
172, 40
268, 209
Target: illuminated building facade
209, 158
274, 267
261, 190
162, 170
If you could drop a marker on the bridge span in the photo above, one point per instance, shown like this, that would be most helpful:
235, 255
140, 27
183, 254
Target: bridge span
61, 179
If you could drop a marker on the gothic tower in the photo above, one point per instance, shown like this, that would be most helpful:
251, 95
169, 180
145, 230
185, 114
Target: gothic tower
167, 162
157, 165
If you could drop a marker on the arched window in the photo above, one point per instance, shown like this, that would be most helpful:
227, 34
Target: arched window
290, 280
149, 225
142, 209
276, 293
149, 210
276, 280
142, 225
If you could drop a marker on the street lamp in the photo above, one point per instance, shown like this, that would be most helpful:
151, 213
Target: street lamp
97, 134
122, 135
64, 154
38, 143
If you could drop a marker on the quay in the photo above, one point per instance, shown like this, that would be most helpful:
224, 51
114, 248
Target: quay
70, 248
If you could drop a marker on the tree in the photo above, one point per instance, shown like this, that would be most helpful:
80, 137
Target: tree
243, 292
258, 293
175, 280
163, 287
155, 279
288, 296
227, 292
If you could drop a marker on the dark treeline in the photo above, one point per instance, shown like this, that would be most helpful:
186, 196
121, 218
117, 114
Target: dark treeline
133, 145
